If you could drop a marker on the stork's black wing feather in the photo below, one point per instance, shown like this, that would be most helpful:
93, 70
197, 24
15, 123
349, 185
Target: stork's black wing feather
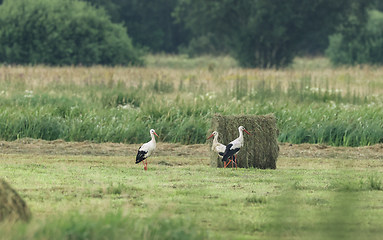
226, 154
140, 156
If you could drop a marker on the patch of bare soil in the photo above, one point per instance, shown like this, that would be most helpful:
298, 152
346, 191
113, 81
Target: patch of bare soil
324, 151
60, 147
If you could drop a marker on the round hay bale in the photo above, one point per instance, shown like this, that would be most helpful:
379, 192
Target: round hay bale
12, 206
260, 150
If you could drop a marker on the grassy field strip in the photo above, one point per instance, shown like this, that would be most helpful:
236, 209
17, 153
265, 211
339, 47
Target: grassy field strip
128, 161
337, 107
296, 200
43, 77
321, 164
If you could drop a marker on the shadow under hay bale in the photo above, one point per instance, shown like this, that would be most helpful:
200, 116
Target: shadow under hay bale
12, 206
260, 150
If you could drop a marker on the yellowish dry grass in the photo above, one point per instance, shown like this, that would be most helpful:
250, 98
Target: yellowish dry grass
361, 79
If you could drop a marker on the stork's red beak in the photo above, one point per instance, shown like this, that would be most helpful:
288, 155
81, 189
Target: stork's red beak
156, 134
210, 136
246, 131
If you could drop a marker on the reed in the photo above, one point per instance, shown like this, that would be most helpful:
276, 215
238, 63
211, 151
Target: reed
322, 105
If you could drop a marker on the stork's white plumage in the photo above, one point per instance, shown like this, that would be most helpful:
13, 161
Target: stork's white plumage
216, 146
146, 149
234, 146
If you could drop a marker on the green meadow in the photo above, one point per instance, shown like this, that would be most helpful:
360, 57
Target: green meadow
96, 197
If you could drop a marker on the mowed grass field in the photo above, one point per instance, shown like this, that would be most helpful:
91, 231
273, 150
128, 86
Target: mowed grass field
98, 197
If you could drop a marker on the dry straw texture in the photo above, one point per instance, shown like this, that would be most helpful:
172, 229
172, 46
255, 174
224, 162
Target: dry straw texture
260, 150
12, 206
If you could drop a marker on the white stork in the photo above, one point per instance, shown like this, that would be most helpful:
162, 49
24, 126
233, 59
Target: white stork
234, 146
216, 146
146, 150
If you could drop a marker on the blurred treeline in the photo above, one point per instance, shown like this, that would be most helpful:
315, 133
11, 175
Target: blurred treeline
257, 33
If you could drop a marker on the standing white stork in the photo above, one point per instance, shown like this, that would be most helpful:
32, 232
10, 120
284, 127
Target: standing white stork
146, 150
234, 146
216, 146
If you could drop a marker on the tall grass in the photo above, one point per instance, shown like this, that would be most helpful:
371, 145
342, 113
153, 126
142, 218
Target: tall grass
122, 104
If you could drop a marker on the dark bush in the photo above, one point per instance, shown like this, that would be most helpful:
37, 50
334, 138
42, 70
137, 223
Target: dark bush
62, 32
203, 45
365, 48
266, 33
150, 22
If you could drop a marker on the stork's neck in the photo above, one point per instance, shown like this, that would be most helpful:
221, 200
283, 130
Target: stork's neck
240, 138
153, 138
215, 142
215, 139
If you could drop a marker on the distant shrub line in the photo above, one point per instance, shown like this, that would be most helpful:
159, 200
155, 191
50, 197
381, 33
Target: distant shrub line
62, 32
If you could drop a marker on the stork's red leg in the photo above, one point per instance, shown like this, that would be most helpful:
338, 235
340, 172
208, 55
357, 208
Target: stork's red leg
235, 161
227, 163
145, 165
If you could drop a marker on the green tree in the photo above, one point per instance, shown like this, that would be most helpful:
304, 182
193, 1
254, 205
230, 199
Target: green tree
379, 5
149, 22
359, 44
266, 33
62, 32
109, 6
